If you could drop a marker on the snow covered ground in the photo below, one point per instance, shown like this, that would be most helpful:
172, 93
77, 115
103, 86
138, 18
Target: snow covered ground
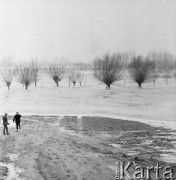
154, 104
45, 150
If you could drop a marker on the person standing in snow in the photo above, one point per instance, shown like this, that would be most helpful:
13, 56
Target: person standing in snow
17, 119
5, 124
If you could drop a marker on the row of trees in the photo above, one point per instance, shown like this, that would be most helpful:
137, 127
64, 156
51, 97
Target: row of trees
29, 73
107, 69
58, 73
112, 67
24, 74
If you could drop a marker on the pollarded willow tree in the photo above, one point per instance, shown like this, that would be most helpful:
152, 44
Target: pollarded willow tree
140, 70
25, 75
7, 76
73, 77
108, 69
7, 71
35, 72
57, 73
80, 77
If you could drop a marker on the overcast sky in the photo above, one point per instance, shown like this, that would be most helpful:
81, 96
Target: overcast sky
84, 29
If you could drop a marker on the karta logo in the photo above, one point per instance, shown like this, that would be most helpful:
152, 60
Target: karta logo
131, 171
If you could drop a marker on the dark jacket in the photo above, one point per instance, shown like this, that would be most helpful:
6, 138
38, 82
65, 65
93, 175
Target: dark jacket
17, 118
5, 120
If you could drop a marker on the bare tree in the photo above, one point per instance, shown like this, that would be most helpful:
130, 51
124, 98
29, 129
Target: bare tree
57, 73
126, 57
167, 65
164, 63
35, 72
25, 75
125, 76
167, 76
154, 77
140, 70
155, 72
7, 75
19, 76
108, 69
73, 77
155, 57
7, 71
80, 77
69, 80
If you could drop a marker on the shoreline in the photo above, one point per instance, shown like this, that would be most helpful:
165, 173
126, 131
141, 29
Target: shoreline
155, 123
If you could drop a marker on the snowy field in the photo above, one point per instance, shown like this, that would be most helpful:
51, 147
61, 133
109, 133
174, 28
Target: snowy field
68, 145
155, 104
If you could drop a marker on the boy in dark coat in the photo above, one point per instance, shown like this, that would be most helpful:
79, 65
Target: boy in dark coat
17, 120
5, 123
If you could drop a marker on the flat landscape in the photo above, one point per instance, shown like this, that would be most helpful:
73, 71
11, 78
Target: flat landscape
148, 103
94, 83
81, 132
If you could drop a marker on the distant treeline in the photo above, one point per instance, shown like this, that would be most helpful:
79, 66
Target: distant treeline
108, 68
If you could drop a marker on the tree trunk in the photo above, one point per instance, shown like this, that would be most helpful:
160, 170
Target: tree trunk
108, 86
56, 80
35, 83
139, 85
80, 84
8, 84
26, 84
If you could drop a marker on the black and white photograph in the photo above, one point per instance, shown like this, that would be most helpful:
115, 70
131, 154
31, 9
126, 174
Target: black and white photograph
87, 89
